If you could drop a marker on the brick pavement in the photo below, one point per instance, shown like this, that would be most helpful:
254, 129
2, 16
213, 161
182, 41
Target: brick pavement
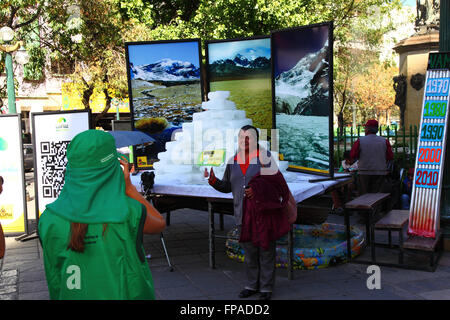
186, 239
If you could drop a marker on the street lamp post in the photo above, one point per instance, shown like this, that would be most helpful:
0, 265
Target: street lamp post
6, 35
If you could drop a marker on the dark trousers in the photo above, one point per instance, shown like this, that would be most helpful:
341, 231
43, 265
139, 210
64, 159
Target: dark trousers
260, 267
368, 183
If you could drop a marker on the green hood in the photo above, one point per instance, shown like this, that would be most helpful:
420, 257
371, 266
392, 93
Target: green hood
94, 187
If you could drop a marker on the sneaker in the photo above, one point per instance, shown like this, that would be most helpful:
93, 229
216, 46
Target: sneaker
339, 211
247, 293
265, 296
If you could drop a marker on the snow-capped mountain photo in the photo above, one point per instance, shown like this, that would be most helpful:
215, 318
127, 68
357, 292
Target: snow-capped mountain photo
166, 70
303, 90
164, 82
239, 67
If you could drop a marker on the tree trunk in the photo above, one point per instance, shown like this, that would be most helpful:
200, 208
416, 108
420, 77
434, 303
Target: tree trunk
108, 99
340, 118
87, 96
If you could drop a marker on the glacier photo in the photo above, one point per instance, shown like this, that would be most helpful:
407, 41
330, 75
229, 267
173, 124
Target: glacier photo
304, 140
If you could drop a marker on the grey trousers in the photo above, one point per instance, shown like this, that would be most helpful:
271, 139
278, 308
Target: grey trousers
260, 267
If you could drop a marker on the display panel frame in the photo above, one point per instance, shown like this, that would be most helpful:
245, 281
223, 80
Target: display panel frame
251, 114
160, 137
329, 171
19, 227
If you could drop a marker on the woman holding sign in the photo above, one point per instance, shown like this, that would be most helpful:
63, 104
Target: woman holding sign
92, 234
257, 186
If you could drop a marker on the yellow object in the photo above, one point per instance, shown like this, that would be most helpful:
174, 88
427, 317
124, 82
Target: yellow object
9, 223
309, 169
7, 212
72, 100
212, 158
142, 161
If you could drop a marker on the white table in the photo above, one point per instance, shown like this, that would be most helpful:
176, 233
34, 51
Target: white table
300, 187
299, 184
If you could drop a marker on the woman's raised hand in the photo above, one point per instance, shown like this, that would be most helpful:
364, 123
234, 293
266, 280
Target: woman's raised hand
126, 173
212, 176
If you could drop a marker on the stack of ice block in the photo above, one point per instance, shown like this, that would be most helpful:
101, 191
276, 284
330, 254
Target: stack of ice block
215, 128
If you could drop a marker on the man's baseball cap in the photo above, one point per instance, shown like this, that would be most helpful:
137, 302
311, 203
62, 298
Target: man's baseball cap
371, 123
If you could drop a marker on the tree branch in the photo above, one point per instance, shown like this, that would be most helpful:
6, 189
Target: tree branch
11, 17
31, 20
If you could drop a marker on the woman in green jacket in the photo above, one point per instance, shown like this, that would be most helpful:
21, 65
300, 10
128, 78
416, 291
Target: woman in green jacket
92, 234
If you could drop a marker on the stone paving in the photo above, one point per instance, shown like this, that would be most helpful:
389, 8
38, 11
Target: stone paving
186, 240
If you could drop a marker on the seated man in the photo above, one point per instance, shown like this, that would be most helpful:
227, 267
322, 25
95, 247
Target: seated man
406, 188
347, 165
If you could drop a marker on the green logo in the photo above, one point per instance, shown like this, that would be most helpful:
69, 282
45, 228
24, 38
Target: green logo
3, 144
62, 124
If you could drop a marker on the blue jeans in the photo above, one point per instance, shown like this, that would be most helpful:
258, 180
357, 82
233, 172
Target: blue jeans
405, 201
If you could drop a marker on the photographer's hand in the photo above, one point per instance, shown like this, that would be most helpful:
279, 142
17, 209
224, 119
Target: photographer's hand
126, 174
154, 222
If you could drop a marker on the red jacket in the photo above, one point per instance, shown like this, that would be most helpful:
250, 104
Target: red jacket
263, 219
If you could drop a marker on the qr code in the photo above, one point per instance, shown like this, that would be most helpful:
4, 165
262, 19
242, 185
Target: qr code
53, 165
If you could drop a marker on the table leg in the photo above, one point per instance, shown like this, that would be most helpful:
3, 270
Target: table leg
290, 253
368, 234
212, 248
400, 246
347, 230
168, 218
221, 222
372, 235
390, 238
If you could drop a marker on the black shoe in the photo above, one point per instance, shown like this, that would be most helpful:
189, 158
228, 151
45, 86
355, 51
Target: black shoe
339, 211
265, 296
247, 293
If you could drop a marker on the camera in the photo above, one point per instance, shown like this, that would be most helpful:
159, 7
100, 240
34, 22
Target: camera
147, 180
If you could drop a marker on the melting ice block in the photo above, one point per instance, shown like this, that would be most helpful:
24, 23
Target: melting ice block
218, 95
215, 128
219, 105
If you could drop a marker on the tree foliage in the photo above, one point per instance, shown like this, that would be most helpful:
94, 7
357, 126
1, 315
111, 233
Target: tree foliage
92, 33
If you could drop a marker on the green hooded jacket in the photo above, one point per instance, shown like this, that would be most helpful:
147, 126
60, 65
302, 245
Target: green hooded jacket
113, 264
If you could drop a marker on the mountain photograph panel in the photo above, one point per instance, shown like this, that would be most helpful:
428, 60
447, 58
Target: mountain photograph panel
164, 79
302, 107
242, 66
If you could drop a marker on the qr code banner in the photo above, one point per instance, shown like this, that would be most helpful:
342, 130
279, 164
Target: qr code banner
52, 133
53, 165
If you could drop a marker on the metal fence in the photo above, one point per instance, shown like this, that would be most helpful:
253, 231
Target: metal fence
403, 142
